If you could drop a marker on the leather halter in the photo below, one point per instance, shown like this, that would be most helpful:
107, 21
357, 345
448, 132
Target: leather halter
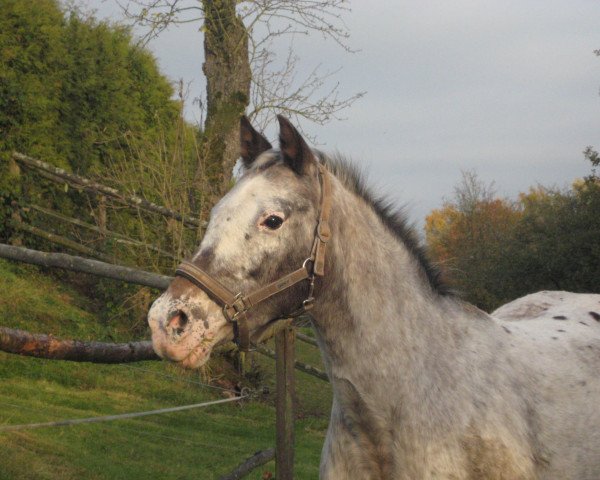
236, 306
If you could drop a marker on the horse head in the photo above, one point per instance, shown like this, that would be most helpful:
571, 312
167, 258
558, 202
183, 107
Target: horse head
257, 261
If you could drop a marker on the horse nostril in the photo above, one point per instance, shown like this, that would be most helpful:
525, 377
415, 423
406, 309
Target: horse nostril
177, 322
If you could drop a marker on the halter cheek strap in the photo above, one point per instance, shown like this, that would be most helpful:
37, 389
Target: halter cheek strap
236, 306
323, 233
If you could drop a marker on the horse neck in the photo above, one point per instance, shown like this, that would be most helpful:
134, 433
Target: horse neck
376, 314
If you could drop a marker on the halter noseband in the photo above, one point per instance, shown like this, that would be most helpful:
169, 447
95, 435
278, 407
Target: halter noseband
236, 306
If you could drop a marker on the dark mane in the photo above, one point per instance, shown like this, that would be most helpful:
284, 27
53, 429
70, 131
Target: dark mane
391, 215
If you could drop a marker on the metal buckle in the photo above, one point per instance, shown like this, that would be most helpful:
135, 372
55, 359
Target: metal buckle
308, 304
304, 264
323, 231
310, 300
238, 305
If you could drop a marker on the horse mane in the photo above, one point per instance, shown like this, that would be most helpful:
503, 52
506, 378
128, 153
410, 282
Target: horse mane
392, 216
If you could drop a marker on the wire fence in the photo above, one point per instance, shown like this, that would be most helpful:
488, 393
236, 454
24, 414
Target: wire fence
121, 416
284, 362
135, 424
236, 396
284, 409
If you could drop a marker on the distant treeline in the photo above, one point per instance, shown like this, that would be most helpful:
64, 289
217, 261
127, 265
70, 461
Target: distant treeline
495, 250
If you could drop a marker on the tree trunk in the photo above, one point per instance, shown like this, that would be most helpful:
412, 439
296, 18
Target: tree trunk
227, 70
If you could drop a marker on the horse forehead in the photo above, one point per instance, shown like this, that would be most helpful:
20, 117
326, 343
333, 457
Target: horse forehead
244, 197
233, 215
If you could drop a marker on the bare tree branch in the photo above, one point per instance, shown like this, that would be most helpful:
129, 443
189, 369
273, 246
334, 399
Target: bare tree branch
157, 15
278, 91
275, 88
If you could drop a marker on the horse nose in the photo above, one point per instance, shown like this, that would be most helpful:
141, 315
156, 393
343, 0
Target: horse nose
176, 323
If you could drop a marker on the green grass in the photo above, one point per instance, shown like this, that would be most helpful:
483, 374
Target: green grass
35, 302
202, 444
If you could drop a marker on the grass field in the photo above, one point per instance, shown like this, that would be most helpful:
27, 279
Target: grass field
200, 444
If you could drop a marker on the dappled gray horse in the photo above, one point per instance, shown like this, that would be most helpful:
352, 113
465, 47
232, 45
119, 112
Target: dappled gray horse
425, 385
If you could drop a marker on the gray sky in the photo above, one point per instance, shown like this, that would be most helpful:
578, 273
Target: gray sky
508, 88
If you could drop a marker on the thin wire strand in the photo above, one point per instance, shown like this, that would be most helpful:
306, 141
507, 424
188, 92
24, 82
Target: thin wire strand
15, 405
180, 437
107, 418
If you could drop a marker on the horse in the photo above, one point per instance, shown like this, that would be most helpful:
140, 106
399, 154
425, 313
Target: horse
425, 385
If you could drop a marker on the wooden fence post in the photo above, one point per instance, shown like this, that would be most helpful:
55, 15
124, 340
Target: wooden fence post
102, 215
15, 172
284, 372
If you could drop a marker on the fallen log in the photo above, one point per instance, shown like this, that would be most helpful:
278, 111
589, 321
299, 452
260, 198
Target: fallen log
46, 346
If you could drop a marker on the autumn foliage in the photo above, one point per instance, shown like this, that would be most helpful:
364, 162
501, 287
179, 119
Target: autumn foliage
494, 250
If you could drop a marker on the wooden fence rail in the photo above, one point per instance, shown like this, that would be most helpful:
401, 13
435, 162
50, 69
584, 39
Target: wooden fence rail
255, 461
116, 237
86, 184
47, 346
303, 367
306, 339
130, 275
84, 265
60, 240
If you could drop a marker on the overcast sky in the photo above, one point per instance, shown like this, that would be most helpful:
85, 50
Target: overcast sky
508, 88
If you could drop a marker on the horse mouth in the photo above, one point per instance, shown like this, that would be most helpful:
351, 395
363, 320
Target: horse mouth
197, 357
187, 356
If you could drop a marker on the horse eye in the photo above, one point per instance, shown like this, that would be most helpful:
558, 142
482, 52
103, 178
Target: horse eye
273, 222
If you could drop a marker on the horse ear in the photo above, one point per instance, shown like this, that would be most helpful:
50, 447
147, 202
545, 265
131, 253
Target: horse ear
252, 143
296, 153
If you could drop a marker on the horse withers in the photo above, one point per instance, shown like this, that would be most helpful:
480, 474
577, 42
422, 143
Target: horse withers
425, 385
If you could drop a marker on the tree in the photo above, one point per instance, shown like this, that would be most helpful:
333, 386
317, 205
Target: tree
240, 69
592, 155
113, 91
79, 94
557, 243
227, 70
496, 250
32, 61
467, 236
72, 88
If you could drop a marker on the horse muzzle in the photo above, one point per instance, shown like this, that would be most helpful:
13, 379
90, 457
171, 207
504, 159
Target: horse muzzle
185, 330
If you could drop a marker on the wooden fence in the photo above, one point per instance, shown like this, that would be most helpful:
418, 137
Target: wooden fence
38, 345
103, 196
58, 175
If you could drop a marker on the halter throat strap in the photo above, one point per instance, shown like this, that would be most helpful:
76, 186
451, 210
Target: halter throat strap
236, 306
